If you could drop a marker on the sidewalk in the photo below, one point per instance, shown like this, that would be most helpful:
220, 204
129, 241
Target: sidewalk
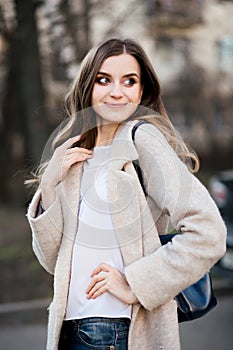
33, 311
23, 337
23, 325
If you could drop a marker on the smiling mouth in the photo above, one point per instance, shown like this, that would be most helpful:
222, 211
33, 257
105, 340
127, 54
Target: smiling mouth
115, 105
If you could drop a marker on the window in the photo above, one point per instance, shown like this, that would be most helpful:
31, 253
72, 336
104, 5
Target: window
225, 53
171, 56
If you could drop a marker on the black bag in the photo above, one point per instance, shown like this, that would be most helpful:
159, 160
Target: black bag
198, 299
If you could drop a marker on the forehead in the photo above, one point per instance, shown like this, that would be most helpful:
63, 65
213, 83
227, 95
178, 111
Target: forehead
122, 64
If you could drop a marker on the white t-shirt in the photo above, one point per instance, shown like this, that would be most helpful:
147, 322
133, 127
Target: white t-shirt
95, 243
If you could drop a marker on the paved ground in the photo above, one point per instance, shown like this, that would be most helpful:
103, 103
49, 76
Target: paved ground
212, 332
23, 337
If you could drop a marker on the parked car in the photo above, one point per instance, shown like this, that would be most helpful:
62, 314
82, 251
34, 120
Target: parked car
221, 189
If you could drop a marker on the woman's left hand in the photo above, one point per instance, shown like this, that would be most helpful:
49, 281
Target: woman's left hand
106, 278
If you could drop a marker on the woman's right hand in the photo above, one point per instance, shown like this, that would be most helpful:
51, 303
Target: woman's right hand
62, 160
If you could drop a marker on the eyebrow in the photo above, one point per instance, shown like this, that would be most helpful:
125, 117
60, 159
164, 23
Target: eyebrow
124, 76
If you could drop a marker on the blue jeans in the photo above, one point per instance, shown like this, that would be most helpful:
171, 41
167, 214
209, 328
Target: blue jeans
95, 333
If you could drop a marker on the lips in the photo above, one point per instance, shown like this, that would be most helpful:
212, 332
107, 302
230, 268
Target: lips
115, 105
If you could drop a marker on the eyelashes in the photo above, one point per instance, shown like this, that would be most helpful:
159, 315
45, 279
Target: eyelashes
130, 81
104, 80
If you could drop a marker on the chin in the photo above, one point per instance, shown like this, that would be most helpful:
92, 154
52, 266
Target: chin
114, 115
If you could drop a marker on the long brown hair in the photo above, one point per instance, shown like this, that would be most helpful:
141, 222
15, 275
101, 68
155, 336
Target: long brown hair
79, 98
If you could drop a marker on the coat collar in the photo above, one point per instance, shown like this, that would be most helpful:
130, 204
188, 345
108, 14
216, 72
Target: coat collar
71, 188
123, 151
123, 148
125, 194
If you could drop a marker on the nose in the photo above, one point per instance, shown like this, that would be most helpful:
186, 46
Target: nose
116, 91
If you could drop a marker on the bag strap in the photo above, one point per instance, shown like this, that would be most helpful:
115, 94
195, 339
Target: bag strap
136, 126
136, 162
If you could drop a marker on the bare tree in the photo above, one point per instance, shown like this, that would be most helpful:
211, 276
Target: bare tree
23, 127
29, 85
66, 51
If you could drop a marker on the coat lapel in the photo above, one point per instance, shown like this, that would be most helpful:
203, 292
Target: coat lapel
123, 195
71, 195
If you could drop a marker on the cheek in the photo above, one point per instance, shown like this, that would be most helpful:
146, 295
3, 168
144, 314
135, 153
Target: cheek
135, 95
98, 92
94, 95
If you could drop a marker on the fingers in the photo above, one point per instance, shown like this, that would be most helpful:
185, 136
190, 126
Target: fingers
79, 149
101, 280
102, 267
97, 286
68, 143
63, 158
106, 278
76, 155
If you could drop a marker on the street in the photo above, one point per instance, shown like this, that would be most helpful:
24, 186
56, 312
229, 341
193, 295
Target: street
212, 332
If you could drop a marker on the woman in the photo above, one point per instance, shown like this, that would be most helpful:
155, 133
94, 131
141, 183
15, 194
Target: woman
94, 228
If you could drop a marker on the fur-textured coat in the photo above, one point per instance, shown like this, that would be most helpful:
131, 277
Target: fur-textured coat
155, 273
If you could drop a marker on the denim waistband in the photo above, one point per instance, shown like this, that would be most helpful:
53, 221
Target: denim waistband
98, 319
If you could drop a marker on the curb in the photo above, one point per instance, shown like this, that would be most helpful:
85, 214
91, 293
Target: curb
33, 311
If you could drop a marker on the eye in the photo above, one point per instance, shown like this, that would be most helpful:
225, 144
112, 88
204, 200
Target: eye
102, 80
129, 82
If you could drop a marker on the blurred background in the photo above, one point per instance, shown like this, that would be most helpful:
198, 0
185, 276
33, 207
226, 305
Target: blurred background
42, 44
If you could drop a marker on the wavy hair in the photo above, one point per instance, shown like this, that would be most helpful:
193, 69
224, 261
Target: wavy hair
81, 119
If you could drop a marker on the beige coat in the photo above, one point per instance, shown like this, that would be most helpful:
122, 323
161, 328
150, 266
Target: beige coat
156, 274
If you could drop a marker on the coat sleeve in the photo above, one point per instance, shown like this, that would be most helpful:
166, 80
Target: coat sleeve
179, 194
47, 231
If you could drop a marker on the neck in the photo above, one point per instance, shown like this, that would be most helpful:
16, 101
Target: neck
106, 134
